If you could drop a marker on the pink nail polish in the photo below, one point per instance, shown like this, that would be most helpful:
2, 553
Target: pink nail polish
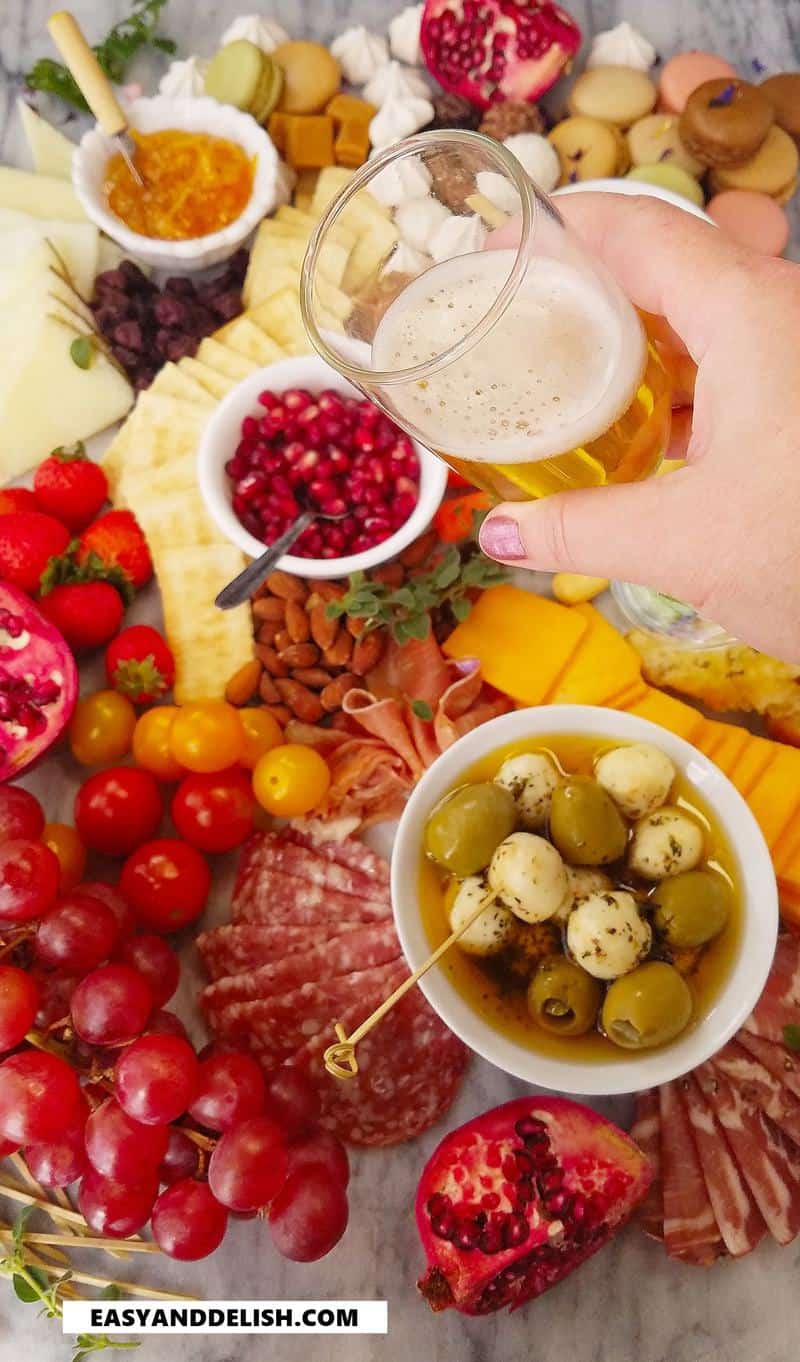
500, 538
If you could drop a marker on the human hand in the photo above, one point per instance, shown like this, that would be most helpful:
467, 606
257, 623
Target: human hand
723, 533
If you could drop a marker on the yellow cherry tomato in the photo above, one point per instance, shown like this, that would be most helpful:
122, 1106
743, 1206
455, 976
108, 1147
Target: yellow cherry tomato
207, 736
290, 780
66, 845
151, 748
101, 728
261, 733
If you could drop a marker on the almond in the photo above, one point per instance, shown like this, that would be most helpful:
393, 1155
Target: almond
298, 626
417, 552
333, 694
314, 677
323, 629
269, 658
355, 626
269, 608
339, 653
303, 703
299, 655
281, 713
287, 587
267, 691
326, 591
367, 652
282, 640
244, 683
267, 631
390, 574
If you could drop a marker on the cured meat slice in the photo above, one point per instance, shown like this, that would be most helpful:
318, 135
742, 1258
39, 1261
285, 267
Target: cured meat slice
305, 862
779, 1004
782, 1063
762, 1153
740, 1222
278, 897
349, 852
234, 947
760, 1087
371, 945
690, 1228
646, 1131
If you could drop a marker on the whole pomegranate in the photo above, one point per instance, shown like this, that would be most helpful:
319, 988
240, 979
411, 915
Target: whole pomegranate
516, 1199
38, 682
491, 50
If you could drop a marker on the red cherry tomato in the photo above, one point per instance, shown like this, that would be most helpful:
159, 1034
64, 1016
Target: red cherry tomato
454, 519
214, 812
118, 809
67, 846
167, 881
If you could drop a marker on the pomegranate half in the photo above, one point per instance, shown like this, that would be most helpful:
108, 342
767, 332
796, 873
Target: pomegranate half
516, 1199
38, 682
491, 50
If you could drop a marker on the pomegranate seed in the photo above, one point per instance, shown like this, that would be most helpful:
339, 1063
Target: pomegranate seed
297, 399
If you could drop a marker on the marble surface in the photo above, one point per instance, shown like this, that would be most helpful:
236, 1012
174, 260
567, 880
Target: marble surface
628, 1304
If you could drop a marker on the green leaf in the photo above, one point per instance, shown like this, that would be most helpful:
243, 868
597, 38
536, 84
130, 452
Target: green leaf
404, 597
791, 1037
80, 352
111, 1292
422, 710
70, 453
449, 569
25, 1290
461, 608
334, 609
418, 626
19, 1226
400, 632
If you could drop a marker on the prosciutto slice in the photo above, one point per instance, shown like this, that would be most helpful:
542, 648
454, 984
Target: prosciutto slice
690, 1227
741, 1224
782, 1063
779, 1004
646, 1131
760, 1087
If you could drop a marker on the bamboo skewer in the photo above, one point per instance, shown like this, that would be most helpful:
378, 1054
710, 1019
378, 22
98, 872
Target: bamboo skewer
91, 1279
15, 1193
90, 1242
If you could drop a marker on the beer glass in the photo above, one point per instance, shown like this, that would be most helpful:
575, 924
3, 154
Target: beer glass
448, 288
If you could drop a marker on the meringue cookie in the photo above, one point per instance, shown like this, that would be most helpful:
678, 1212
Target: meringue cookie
538, 158
397, 119
405, 179
404, 35
457, 236
499, 190
407, 259
285, 181
184, 78
360, 54
418, 219
255, 28
395, 81
622, 46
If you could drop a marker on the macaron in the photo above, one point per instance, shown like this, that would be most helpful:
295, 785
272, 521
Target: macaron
725, 122
667, 176
656, 138
588, 149
773, 169
683, 73
617, 94
783, 93
754, 220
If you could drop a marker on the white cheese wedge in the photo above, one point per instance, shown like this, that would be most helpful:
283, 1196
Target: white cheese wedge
76, 243
51, 152
43, 196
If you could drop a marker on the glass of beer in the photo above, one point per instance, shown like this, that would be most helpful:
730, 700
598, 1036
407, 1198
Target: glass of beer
446, 286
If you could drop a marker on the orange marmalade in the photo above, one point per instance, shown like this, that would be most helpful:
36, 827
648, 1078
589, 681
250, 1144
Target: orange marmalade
194, 184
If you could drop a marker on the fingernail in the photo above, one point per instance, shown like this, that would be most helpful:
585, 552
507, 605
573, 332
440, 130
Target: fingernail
500, 538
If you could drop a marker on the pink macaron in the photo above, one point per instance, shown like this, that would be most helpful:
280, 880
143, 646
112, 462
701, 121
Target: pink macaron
754, 220
682, 74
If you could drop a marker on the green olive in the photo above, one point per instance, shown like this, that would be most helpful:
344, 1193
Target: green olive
691, 908
464, 831
563, 998
647, 1007
585, 823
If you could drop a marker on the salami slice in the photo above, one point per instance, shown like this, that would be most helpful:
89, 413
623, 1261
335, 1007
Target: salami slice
759, 1087
349, 852
284, 898
690, 1228
234, 947
779, 1004
782, 1063
646, 1131
740, 1222
306, 863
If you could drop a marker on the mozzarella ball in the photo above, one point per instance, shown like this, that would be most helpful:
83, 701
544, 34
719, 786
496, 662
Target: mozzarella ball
490, 932
607, 936
582, 880
665, 843
531, 777
638, 778
529, 877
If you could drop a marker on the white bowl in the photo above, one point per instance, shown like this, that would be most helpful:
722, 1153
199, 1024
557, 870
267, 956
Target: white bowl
636, 187
223, 432
631, 1071
190, 115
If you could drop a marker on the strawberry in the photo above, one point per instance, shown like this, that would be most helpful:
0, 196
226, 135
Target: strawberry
28, 540
87, 613
17, 499
70, 486
140, 665
116, 540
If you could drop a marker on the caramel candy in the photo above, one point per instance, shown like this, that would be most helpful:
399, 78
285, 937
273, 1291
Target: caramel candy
351, 147
309, 142
349, 109
276, 127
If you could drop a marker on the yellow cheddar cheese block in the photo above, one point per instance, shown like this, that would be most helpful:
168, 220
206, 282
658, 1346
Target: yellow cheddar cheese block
753, 761
775, 798
786, 854
603, 667
669, 713
723, 743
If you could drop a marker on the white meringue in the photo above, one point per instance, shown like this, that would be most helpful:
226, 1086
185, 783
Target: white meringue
184, 79
499, 190
360, 54
457, 236
407, 259
397, 119
418, 219
404, 35
538, 158
285, 181
622, 46
406, 178
395, 81
256, 28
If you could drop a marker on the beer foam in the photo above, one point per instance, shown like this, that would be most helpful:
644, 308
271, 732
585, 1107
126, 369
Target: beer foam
555, 371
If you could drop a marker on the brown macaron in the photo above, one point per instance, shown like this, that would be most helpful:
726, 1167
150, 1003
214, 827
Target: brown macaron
783, 93
725, 122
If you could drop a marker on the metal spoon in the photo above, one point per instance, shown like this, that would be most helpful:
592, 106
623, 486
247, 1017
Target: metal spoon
242, 587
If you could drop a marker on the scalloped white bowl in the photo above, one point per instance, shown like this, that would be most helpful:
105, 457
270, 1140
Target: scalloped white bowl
190, 115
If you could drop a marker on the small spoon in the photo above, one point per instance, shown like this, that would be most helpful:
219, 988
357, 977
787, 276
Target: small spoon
242, 587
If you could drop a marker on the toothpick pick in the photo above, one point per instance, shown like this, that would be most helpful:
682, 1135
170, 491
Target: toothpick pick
89, 1241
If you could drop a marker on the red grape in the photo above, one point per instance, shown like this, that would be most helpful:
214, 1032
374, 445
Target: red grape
111, 1006
55, 993
120, 1147
167, 882
182, 1158
29, 879
76, 934
20, 814
320, 1147
155, 1078
39, 1095
19, 1000
188, 1221
165, 1023
248, 1165
309, 1214
113, 898
115, 1209
155, 960
118, 809
292, 1099
230, 1089
61, 1161
8, 1147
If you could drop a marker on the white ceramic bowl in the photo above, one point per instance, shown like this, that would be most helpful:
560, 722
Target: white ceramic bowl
222, 435
631, 1071
635, 187
190, 115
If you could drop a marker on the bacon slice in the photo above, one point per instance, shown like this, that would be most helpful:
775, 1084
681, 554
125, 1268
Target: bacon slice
646, 1131
740, 1222
779, 1004
690, 1228
760, 1087
782, 1063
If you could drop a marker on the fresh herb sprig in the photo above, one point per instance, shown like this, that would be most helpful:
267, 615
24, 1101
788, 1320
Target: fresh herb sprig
114, 53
